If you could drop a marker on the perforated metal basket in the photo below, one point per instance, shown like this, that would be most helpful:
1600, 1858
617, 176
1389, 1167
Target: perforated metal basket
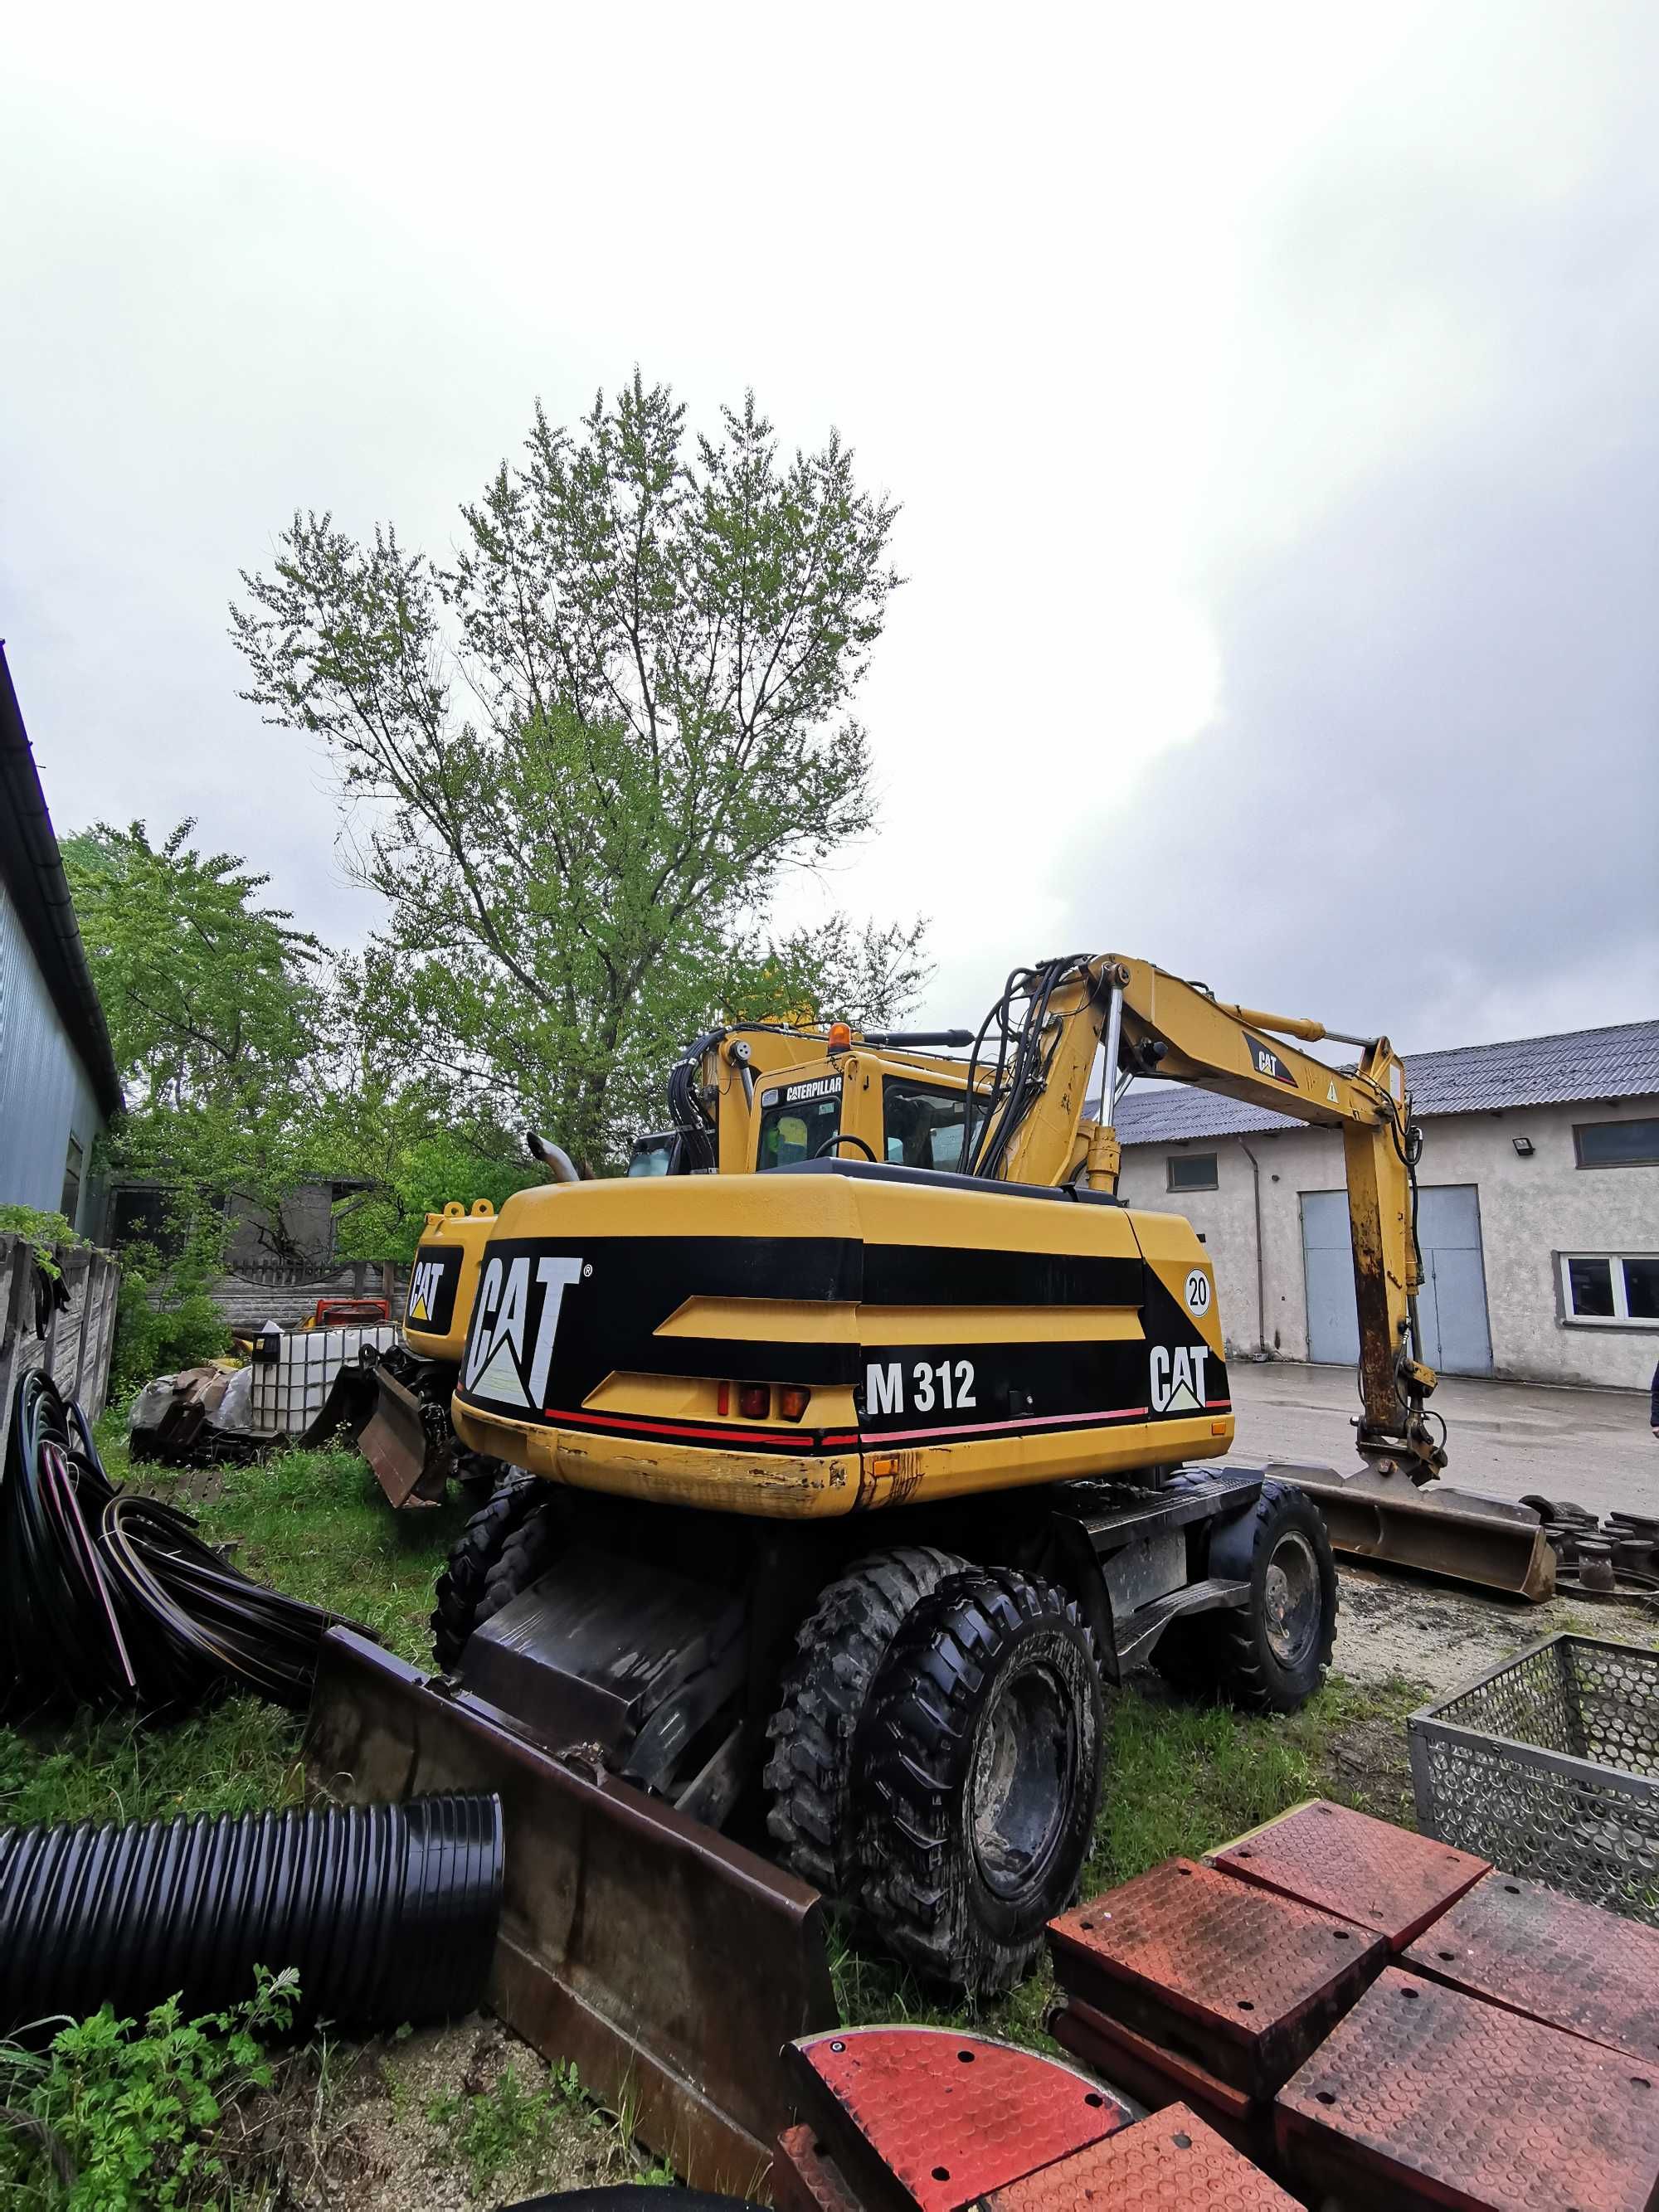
1548, 1766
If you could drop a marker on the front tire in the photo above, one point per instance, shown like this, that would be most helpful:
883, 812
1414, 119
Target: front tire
981, 1777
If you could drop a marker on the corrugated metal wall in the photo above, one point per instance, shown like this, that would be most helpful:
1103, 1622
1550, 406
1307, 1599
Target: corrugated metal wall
44, 1096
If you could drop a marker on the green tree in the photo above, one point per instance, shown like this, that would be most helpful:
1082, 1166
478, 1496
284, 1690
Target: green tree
585, 756
216, 1007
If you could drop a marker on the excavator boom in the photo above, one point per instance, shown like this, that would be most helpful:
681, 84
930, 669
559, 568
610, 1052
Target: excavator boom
1151, 1023
1147, 1022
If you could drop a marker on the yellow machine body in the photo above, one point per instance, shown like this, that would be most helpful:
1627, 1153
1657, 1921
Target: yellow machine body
443, 1279
929, 1343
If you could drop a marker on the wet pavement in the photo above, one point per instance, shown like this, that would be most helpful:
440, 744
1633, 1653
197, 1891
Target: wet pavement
1508, 1438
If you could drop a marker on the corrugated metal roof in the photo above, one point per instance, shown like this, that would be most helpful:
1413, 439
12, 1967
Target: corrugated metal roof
1620, 1062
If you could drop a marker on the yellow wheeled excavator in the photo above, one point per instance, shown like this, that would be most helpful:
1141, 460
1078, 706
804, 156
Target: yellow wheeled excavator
859, 1442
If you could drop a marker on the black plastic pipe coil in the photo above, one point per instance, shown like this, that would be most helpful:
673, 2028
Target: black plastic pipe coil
388, 1912
110, 1598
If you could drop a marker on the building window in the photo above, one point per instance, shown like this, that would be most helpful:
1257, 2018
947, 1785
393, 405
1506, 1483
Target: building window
1620, 1288
71, 1204
1191, 1171
1616, 1143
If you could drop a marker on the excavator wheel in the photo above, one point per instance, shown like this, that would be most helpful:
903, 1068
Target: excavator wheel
980, 1777
505, 1546
1270, 1655
840, 1649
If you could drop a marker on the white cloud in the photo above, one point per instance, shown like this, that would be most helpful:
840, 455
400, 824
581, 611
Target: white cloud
1139, 313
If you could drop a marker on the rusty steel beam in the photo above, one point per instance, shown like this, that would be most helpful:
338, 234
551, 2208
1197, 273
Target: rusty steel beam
669, 1964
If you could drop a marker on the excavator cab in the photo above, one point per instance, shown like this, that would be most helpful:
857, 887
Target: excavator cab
862, 1104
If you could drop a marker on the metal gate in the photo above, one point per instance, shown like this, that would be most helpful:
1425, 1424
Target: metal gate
1451, 1306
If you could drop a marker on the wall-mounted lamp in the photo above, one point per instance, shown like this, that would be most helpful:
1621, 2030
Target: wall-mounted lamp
1523, 1146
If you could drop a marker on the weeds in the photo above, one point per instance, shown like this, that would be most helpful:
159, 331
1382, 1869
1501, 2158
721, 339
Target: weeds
495, 2130
138, 2117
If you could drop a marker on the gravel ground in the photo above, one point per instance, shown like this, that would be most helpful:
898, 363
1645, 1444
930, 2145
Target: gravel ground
364, 2139
1394, 1626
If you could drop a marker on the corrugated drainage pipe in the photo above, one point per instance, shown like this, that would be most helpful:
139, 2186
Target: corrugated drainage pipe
388, 1912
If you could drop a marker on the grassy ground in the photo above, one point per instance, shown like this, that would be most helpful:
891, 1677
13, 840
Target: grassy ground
1179, 1780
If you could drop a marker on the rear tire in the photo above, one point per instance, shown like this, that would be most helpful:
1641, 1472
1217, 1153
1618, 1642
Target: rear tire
1271, 1653
505, 1546
981, 1777
840, 1649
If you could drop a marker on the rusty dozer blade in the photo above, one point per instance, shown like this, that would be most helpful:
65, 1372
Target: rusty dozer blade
1373, 1514
670, 1965
388, 1425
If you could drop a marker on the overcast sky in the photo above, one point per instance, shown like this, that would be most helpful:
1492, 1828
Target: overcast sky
1270, 391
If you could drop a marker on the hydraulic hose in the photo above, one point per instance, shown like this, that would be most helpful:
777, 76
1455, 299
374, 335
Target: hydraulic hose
108, 1598
387, 1912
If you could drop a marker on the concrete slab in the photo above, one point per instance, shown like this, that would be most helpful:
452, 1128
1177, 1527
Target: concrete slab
1508, 1438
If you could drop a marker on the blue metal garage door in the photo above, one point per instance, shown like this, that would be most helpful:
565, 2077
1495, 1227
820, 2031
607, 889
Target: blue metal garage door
1452, 1304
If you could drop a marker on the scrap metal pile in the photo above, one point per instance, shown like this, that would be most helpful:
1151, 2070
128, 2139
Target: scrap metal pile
1599, 1559
108, 1598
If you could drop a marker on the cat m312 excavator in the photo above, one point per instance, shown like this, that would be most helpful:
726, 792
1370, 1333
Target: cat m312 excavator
851, 1461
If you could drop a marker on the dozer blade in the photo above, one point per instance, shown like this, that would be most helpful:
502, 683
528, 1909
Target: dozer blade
669, 1965
387, 1420
409, 1466
348, 1405
1439, 1530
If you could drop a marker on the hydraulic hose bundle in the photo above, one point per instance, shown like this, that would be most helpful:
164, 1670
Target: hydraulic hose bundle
108, 1598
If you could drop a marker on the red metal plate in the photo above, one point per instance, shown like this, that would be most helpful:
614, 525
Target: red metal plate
1243, 1981
950, 2117
1170, 2162
805, 2178
1424, 2089
1145, 2070
1572, 1965
1367, 1871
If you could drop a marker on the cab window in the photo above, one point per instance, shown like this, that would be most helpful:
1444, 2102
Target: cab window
796, 1129
923, 1123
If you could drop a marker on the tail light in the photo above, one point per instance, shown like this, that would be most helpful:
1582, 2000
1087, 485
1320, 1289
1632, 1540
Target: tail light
792, 1401
723, 1399
754, 1401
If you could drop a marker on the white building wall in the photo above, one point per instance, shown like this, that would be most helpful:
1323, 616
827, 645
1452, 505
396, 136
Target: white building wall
1532, 1209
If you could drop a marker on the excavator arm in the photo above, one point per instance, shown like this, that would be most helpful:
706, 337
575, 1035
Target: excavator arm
1053, 1023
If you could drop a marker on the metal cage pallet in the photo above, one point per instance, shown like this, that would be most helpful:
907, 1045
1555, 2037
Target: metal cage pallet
1548, 1766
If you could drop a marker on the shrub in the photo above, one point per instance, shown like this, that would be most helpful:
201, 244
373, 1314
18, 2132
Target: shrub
138, 2115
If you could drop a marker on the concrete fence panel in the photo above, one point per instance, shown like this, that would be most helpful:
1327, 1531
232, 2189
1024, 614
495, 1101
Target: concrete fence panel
79, 1337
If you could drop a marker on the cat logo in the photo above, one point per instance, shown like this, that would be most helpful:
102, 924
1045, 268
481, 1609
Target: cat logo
1266, 1062
509, 1351
432, 1285
423, 1283
1177, 1377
